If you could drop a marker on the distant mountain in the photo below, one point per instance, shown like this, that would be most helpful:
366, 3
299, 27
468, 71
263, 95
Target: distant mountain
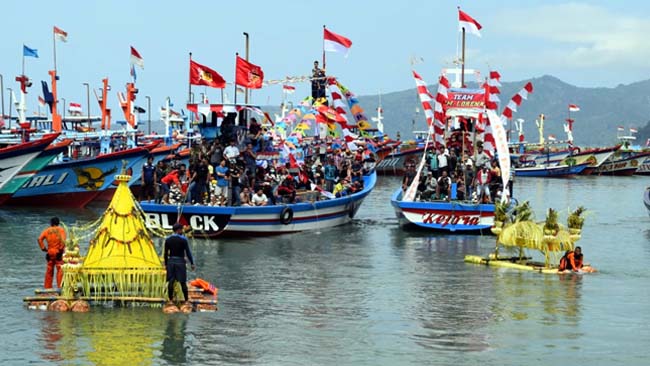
602, 110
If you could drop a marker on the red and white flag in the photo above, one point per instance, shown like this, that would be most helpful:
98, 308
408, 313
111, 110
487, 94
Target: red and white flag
468, 23
573, 108
551, 137
74, 107
620, 129
633, 130
289, 89
60, 34
333, 42
516, 100
136, 59
41, 101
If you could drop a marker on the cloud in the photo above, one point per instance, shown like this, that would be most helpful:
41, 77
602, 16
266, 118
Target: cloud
578, 35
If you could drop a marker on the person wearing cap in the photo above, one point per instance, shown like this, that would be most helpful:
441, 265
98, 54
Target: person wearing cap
55, 238
175, 250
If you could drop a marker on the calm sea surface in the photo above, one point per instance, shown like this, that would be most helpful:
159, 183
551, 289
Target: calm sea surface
369, 293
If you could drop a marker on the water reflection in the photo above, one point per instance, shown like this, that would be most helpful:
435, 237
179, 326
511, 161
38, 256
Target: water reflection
174, 348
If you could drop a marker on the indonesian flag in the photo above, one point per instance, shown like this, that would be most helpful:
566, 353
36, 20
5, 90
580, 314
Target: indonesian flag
41, 101
335, 43
136, 59
248, 75
633, 130
551, 137
289, 89
202, 75
468, 23
74, 107
60, 34
620, 128
573, 108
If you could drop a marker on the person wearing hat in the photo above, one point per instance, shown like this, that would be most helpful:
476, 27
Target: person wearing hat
55, 238
176, 249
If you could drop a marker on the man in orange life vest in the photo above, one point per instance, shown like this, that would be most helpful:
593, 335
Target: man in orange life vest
55, 237
572, 260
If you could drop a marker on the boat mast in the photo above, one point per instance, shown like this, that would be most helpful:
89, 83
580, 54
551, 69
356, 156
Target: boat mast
462, 61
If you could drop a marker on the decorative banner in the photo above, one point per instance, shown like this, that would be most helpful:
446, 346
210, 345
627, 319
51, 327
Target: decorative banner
501, 141
465, 99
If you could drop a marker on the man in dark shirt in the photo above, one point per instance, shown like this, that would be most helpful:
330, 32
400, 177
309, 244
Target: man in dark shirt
147, 191
176, 248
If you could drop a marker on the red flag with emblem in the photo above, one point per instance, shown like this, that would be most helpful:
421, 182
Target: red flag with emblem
248, 75
202, 75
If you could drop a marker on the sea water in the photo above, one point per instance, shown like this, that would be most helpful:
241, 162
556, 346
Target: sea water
368, 293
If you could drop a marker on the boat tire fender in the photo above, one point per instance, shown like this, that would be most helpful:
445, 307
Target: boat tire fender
286, 216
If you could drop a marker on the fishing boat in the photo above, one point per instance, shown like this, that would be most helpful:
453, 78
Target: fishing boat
552, 171
646, 199
458, 117
313, 212
14, 158
74, 183
34, 166
626, 160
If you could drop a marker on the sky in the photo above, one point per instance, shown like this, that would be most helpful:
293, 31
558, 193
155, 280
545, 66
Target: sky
584, 43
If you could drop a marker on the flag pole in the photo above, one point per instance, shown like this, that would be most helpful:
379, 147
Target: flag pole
54, 48
236, 56
323, 46
23, 60
462, 62
246, 90
189, 83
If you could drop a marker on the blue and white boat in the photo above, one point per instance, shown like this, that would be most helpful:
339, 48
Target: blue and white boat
212, 221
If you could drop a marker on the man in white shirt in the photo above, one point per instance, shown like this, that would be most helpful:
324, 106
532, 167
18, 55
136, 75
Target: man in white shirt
259, 198
231, 152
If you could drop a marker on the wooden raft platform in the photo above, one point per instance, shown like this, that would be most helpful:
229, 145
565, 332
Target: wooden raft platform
201, 301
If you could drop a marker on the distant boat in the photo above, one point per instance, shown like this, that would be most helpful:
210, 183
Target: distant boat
553, 171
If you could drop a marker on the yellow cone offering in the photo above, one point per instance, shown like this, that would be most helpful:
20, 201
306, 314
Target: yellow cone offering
122, 263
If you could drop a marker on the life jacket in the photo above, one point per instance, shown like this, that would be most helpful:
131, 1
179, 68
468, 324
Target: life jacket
205, 285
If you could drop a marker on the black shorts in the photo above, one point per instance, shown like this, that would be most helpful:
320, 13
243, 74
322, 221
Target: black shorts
176, 271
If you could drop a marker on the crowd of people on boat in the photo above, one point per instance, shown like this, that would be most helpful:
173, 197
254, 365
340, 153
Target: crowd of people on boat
239, 175
457, 172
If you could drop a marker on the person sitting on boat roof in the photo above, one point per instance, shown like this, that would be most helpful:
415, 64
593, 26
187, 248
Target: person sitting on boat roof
572, 260
245, 197
443, 189
482, 183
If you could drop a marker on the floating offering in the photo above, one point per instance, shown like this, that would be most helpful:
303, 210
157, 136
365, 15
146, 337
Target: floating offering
121, 267
518, 230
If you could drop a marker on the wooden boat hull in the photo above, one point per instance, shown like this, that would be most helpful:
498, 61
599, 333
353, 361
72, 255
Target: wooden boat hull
393, 164
624, 163
453, 217
74, 183
208, 221
558, 171
13, 159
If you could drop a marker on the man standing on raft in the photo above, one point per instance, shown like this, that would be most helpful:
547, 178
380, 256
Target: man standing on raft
55, 238
176, 248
